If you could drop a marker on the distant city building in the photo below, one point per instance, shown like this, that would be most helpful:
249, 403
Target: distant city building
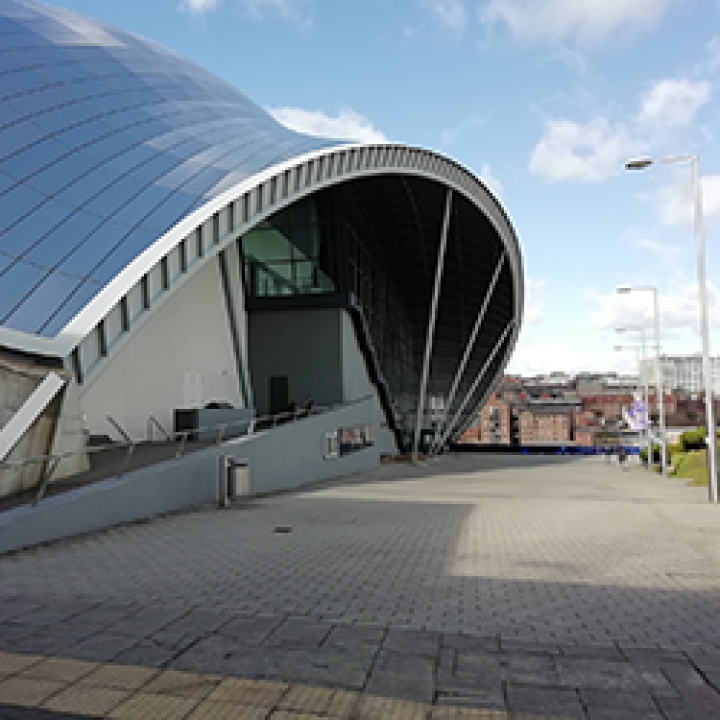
682, 372
546, 424
581, 409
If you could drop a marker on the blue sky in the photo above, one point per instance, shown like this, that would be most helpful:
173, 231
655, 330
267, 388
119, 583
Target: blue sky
544, 99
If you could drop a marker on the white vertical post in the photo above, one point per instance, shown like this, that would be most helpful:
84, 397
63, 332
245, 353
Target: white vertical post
479, 377
648, 435
705, 332
659, 382
431, 323
470, 345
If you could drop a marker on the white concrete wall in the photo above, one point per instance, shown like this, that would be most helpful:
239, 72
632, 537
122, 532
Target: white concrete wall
181, 357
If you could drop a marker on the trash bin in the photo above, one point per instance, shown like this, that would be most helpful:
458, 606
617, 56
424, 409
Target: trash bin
233, 479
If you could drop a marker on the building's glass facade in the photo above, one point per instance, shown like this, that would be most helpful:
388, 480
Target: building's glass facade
377, 242
107, 142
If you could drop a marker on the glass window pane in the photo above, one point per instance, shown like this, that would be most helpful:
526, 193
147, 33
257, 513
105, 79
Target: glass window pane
36, 309
18, 136
14, 204
113, 197
17, 281
31, 158
61, 241
5, 261
81, 188
21, 237
75, 302
138, 240
85, 257
174, 209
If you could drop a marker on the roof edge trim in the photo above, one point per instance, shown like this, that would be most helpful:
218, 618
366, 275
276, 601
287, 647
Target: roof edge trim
343, 162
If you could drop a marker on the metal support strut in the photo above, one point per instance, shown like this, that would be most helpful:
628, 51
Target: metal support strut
479, 377
468, 349
431, 323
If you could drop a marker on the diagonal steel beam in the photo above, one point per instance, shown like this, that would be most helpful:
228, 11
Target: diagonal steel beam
479, 377
431, 322
469, 346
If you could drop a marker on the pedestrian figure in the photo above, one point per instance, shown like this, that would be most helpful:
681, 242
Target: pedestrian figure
309, 404
622, 457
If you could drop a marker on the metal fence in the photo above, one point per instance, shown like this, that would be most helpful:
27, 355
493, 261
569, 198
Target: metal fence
114, 459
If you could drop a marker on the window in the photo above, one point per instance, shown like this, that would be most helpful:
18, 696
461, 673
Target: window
165, 273
199, 241
231, 217
183, 256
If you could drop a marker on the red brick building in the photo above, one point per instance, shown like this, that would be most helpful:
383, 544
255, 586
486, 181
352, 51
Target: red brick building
545, 425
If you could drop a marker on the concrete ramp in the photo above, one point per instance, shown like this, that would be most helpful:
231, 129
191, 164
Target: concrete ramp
281, 458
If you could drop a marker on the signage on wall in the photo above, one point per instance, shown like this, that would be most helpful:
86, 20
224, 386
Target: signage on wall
344, 441
331, 445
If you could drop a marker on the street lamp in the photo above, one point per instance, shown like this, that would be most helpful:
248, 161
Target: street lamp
642, 384
641, 164
658, 373
640, 349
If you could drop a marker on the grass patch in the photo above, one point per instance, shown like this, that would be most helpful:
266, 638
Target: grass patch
691, 466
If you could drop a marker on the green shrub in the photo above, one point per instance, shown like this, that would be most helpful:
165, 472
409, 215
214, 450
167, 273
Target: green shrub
693, 439
673, 449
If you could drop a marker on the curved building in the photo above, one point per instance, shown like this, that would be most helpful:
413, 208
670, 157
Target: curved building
165, 244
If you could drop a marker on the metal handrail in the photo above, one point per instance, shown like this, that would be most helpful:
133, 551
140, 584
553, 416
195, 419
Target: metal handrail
251, 425
154, 422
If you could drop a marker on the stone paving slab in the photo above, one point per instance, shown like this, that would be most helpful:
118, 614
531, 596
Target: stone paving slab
504, 586
131, 692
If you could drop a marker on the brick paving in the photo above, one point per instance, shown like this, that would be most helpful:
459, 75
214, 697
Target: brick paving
480, 586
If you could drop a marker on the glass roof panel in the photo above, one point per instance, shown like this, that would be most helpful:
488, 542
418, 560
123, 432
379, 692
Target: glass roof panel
118, 128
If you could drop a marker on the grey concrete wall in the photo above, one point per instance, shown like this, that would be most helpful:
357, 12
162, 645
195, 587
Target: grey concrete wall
305, 345
283, 458
52, 431
356, 379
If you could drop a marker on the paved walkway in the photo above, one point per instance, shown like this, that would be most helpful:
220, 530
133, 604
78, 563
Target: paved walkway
545, 585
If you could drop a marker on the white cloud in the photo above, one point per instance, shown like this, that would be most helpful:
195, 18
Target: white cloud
673, 103
490, 180
589, 152
534, 313
452, 14
469, 125
676, 202
573, 59
666, 253
347, 125
583, 20
542, 357
713, 48
598, 149
283, 7
198, 6
678, 310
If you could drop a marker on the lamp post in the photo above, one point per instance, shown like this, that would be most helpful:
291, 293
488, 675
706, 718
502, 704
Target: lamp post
658, 373
641, 164
640, 352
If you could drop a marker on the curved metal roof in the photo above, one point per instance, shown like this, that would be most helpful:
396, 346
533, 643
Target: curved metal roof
116, 154
108, 141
